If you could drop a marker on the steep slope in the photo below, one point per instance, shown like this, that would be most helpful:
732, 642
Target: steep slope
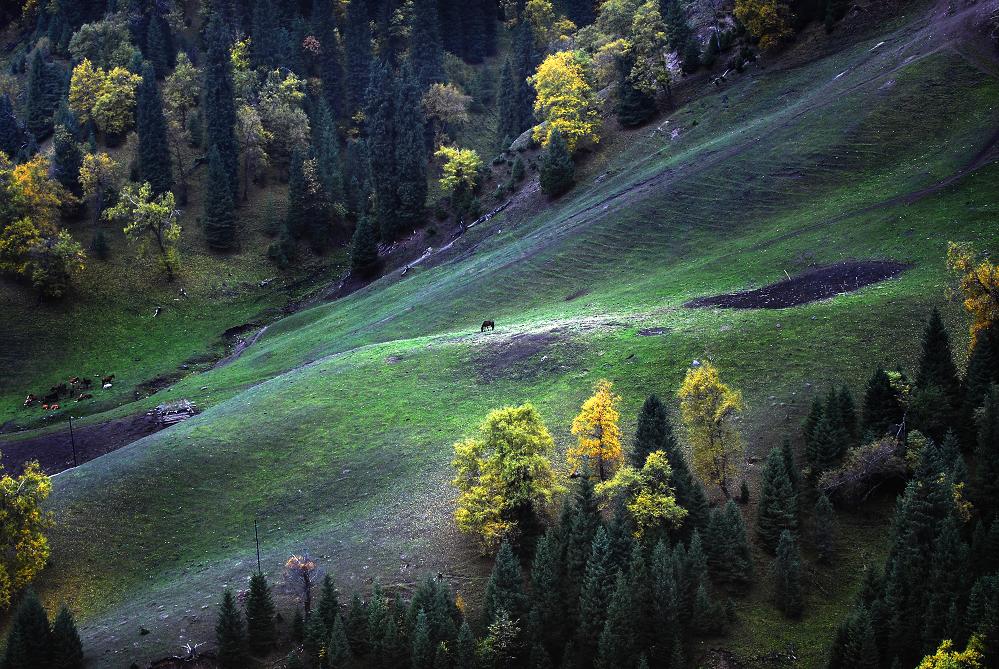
334, 429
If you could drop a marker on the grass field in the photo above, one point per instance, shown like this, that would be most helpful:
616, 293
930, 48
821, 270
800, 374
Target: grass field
334, 429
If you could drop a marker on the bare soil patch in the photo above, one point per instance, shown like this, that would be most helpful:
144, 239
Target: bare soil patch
505, 357
815, 284
653, 332
54, 450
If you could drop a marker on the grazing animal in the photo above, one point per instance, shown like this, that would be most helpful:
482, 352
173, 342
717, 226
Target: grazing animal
106, 386
73, 380
86, 384
45, 407
107, 380
487, 324
61, 389
29, 400
52, 395
53, 407
84, 396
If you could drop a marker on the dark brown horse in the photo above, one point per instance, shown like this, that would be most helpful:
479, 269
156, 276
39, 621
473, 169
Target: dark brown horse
488, 324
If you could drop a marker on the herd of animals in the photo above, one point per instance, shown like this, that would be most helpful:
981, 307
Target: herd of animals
73, 386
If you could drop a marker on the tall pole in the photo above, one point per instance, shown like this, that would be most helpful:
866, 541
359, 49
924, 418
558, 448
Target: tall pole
72, 440
256, 538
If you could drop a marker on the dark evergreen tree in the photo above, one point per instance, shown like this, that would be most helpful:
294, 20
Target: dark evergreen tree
356, 626
298, 626
12, 135
643, 604
357, 56
621, 538
464, 653
666, 598
338, 646
505, 589
809, 427
329, 602
830, 440
298, 211
219, 221
426, 51
220, 115
381, 145
949, 567
330, 59
39, 97
727, 546
691, 55
882, 405
154, 150
580, 12
937, 396
29, 638
508, 122
692, 572
316, 637
617, 644
653, 433
595, 594
787, 576
677, 28
327, 146
983, 613
364, 247
449, 21
825, 528
707, 615
982, 372
987, 455
66, 160
778, 507
855, 644
556, 170
67, 649
634, 107
159, 45
410, 153
789, 465
229, 634
264, 44
548, 611
689, 494
423, 650
260, 631
578, 533
848, 416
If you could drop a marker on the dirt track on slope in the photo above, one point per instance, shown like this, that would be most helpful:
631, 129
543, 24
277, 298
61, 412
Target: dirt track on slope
815, 284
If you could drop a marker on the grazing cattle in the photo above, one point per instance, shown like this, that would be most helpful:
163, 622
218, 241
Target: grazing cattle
74, 380
61, 389
29, 400
51, 396
53, 407
487, 324
106, 386
45, 407
84, 396
107, 380
86, 384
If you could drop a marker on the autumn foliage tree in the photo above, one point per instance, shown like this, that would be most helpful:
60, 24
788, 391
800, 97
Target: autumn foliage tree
647, 494
768, 20
24, 548
107, 97
503, 474
708, 408
978, 282
150, 221
565, 99
599, 438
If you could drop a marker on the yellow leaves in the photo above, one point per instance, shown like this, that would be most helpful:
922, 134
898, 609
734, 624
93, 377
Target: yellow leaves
596, 429
565, 99
36, 195
766, 19
97, 171
16, 241
106, 97
978, 281
647, 493
460, 170
22, 526
239, 54
948, 658
708, 408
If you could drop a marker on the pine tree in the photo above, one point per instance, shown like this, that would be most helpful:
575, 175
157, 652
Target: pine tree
425, 46
727, 547
338, 647
634, 106
29, 638
330, 61
546, 591
423, 650
328, 155
778, 506
298, 626
220, 221
229, 634
12, 136
159, 45
381, 145
616, 646
557, 171
583, 522
789, 465
937, 395
66, 160
364, 247
410, 153
508, 123
316, 636
855, 644
653, 433
154, 150
357, 55
848, 416
809, 427
692, 565
677, 28
329, 603
505, 588
666, 597
260, 631
464, 654
948, 569
525, 61
67, 650
264, 45
829, 443
643, 604
38, 104
594, 597
220, 113
825, 528
297, 212
882, 406
689, 494
982, 372
356, 626
787, 576
706, 614
987, 454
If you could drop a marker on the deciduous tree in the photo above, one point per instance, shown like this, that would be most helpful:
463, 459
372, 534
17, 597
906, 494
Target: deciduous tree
709, 408
150, 221
565, 99
597, 432
24, 548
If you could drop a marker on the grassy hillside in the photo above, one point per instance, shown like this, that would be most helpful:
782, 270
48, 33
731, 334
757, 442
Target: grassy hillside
334, 429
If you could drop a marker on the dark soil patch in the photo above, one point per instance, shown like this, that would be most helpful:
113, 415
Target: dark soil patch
54, 450
578, 294
815, 284
505, 358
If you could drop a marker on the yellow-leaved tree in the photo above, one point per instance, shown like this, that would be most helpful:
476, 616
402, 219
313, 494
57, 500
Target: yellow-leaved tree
978, 281
598, 436
768, 20
99, 177
708, 409
565, 99
149, 221
948, 658
24, 549
503, 474
105, 97
647, 493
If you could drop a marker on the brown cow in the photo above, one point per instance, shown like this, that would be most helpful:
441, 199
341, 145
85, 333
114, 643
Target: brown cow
86, 384
107, 379
84, 396
53, 407
487, 324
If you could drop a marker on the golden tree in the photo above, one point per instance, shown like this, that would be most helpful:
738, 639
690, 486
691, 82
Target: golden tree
460, 170
24, 549
947, 657
709, 408
769, 20
106, 97
978, 281
598, 435
647, 493
565, 99
503, 474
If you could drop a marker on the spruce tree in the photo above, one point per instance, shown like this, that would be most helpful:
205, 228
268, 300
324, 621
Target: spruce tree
260, 631
634, 106
297, 212
982, 372
578, 538
364, 247
29, 638
692, 565
425, 47
727, 546
580, 12
464, 654
882, 406
159, 45
787, 576
66, 159
556, 171
67, 649
357, 55
508, 101
848, 416
327, 146
219, 221
264, 45
677, 28
666, 597
38, 104
329, 603
316, 636
298, 626
410, 153
809, 427
778, 506
505, 588
987, 454
330, 60
12, 136
597, 587
643, 603
653, 433
829, 443
154, 150
423, 650
220, 112
546, 591
617, 644
825, 528
229, 634
937, 396
707, 616
381, 146
525, 62
356, 626
983, 613
338, 647
949, 567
